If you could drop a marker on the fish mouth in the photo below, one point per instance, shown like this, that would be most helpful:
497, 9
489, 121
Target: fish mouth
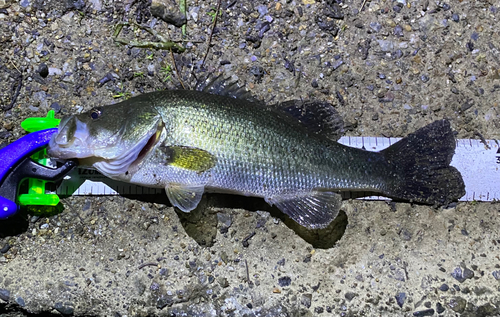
70, 141
128, 162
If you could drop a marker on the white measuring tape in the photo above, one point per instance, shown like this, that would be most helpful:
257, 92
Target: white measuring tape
479, 164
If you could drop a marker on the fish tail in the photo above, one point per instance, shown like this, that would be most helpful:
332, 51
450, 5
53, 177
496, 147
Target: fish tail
421, 162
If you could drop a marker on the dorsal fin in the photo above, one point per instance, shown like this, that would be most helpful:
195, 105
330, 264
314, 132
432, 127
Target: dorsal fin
224, 87
319, 117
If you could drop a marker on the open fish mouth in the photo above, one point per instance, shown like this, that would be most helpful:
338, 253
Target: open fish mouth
127, 162
74, 140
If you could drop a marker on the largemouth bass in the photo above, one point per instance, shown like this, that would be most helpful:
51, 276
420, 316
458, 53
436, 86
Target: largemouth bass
189, 142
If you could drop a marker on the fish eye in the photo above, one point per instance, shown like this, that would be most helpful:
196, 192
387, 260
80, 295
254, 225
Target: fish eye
95, 113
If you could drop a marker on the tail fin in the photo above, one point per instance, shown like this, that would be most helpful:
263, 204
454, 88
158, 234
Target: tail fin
422, 161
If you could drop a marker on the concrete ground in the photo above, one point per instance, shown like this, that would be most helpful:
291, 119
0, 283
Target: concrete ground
390, 68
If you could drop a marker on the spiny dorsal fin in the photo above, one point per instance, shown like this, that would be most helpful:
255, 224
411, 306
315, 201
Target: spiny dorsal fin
224, 87
319, 117
314, 210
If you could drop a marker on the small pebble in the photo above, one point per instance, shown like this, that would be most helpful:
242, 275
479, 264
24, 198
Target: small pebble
457, 304
350, 295
400, 299
4, 294
284, 281
43, 70
5, 248
455, 17
398, 31
64, 308
56, 107
462, 275
306, 300
262, 9
424, 78
20, 301
24, 3
223, 282
439, 308
375, 26
427, 312
444, 287
337, 64
5, 135
334, 11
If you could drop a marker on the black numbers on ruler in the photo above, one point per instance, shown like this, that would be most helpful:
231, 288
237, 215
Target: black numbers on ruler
82, 171
498, 156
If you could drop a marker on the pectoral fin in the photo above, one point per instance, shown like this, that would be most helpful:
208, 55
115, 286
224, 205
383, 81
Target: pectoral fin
314, 210
189, 158
184, 197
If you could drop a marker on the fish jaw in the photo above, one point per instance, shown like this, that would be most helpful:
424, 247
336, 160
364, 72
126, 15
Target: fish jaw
126, 164
71, 141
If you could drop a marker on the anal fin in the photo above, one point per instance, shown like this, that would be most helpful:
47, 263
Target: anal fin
184, 197
314, 210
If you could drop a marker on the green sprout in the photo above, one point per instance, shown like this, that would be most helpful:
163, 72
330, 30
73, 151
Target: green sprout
213, 13
138, 74
183, 9
167, 71
150, 56
122, 93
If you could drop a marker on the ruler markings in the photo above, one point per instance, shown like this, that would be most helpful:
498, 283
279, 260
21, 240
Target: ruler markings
478, 164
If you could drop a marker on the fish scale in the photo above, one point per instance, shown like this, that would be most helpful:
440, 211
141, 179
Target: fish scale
228, 135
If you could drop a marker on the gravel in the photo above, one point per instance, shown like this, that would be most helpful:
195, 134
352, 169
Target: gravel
389, 68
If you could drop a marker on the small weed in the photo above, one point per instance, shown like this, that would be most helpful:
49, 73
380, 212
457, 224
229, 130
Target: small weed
167, 72
213, 13
122, 93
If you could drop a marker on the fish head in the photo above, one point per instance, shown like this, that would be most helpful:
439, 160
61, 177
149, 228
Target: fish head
111, 138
